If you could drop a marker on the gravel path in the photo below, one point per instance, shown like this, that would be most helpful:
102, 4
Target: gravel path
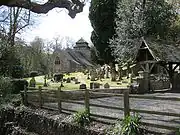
143, 104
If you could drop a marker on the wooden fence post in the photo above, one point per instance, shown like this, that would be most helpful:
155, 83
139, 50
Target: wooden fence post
59, 99
25, 100
40, 96
87, 101
126, 103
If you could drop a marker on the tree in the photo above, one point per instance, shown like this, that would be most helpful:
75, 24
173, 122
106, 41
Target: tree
135, 20
159, 16
13, 20
129, 27
102, 14
73, 6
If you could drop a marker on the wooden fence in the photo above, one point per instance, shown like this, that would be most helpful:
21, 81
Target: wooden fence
41, 95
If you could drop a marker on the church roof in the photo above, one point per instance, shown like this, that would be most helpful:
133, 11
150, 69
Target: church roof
81, 43
80, 58
161, 50
81, 40
75, 56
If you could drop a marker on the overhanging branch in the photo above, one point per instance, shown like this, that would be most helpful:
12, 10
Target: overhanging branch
73, 6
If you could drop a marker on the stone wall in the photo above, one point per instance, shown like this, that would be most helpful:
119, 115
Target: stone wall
37, 122
159, 84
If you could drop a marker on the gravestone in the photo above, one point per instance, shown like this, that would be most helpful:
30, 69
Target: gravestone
68, 80
58, 77
32, 82
106, 85
94, 85
72, 78
82, 86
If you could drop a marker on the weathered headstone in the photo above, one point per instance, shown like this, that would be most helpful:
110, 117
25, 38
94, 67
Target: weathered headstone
82, 86
68, 80
94, 85
72, 78
106, 85
32, 82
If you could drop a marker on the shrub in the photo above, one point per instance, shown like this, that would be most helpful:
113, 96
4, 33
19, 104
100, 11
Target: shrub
18, 85
32, 82
5, 86
128, 126
82, 118
33, 73
58, 77
178, 132
17, 71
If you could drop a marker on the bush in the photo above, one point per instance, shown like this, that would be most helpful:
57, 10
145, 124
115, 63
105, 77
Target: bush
58, 77
33, 73
18, 85
5, 86
32, 82
82, 118
178, 132
128, 126
17, 71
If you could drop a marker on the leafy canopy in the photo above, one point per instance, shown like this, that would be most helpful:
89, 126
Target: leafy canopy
135, 20
102, 14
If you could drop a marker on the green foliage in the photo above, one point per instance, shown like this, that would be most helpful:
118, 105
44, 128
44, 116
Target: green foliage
102, 14
17, 71
159, 17
32, 82
18, 85
135, 20
177, 132
82, 118
128, 126
129, 24
6, 86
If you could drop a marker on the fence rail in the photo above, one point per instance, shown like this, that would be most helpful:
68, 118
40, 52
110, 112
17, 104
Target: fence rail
39, 96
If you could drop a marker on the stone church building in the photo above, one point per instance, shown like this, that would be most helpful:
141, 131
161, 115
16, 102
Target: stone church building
71, 60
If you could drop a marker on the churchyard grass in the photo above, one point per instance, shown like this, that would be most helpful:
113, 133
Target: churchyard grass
81, 78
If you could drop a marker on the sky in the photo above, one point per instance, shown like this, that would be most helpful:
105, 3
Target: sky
58, 23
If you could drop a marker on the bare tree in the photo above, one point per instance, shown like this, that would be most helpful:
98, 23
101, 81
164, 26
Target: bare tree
73, 6
69, 42
12, 21
57, 43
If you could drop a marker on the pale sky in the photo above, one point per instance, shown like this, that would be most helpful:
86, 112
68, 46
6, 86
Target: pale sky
58, 23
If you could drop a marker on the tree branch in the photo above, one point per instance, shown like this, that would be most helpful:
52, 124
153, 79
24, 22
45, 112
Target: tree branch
73, 6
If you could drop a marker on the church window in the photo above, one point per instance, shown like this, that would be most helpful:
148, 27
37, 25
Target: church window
57, 61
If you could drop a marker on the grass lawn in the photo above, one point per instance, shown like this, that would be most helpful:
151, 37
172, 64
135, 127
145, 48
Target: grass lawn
81, 78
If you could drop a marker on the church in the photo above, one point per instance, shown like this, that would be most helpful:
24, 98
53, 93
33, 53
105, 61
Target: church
71, 60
